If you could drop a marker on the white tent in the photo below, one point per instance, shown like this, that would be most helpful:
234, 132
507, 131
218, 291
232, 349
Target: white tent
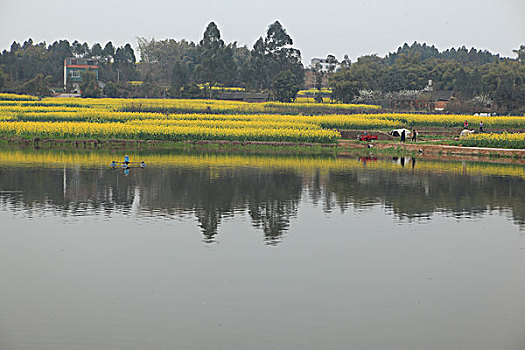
397, 132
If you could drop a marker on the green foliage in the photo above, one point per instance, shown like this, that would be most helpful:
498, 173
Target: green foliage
346, 84
332, 61
274, 56
23, 62
286, 86
96, 51
89, 86
38, 86
2, 79
191, 91
160, 57
109, 50
215, 62
149, 87
110, 90
216, 59
318, 76
80, 50
468, 73
180, 77
418, 53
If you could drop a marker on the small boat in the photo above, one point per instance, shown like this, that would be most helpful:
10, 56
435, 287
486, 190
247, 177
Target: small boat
128, 164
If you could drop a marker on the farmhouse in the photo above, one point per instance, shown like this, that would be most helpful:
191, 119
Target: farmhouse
75, 67
429, 101
435, 100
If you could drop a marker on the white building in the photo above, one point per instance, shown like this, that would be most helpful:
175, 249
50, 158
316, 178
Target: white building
325, 65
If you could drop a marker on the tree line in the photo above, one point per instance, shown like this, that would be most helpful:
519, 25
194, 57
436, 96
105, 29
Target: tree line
171, 68
478, 78
168, 68
38, 68
273, 64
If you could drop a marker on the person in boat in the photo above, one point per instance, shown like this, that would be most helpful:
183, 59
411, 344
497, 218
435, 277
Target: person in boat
142, 164
126, 159
113, 164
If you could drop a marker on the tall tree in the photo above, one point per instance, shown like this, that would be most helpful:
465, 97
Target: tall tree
159, 57
282, 55
79, 50
96, 51
318, 72
274, 54
260, 70
216, 59
332, 63
286, 86
346, 83
346, 62
462, 83
109, 51
89, 86
179, 78
2, 79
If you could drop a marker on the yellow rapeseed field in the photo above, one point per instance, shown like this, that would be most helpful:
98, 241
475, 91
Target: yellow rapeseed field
15, 97
170, 119
74, 130
504, 140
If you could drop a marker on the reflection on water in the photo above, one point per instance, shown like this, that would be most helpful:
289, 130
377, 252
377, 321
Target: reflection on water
360, 253
267, 188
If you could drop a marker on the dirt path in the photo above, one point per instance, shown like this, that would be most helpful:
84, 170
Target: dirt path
442, 152
437, 149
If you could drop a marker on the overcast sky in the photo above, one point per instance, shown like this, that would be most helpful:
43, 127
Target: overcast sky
318, 28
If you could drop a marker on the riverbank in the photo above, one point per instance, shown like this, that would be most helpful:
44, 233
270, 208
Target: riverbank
166, 146
435, 151
343, 148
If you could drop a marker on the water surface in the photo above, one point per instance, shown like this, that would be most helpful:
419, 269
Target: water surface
217, 251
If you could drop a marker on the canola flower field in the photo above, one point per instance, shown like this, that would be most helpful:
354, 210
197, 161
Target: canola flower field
14, 97
504, 140
140, 131
189, 106
152, 119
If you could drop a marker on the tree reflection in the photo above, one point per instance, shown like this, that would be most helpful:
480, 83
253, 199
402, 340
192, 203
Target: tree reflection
273, 201
270, 197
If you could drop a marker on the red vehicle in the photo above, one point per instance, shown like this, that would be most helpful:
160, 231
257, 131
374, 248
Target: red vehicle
367, 136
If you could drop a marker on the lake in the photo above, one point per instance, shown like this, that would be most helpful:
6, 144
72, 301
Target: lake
230, 251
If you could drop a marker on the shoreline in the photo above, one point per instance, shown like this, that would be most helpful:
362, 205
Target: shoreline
427, 148
343, 148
